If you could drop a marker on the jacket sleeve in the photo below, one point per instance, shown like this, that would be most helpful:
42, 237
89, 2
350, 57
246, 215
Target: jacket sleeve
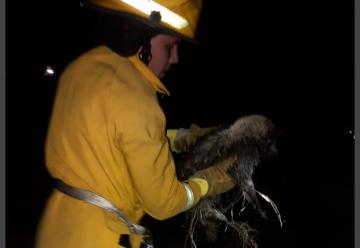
141, 136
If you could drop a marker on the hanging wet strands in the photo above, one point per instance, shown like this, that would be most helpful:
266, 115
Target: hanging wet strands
249, 140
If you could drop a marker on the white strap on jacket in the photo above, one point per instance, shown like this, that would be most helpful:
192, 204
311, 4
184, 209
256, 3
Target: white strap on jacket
92, 198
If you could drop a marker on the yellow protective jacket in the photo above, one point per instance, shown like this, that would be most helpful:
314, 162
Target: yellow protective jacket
107, 134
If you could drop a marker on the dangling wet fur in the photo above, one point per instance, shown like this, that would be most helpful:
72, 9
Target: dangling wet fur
250, 139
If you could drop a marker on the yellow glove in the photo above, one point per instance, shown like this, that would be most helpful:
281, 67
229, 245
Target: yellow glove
185, 138
214, 180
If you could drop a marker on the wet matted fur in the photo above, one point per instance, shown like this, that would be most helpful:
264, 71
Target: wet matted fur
250, 139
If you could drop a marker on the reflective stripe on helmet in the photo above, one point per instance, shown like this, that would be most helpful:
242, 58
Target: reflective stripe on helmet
167, 16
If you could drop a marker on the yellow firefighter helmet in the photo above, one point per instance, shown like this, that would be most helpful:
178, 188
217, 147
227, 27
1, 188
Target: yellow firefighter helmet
178, 17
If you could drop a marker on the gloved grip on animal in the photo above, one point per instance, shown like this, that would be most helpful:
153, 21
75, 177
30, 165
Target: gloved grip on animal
246, 142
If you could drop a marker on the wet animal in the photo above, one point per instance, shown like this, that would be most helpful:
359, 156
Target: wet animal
250, 139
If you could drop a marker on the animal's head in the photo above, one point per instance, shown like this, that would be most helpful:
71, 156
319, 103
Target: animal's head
259, 129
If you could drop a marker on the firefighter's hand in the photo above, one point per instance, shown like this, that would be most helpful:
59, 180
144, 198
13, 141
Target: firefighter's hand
216, 177
185, 138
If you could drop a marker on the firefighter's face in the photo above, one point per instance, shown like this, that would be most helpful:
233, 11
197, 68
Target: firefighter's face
164, 53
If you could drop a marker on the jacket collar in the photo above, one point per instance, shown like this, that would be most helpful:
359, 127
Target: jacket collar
149, 75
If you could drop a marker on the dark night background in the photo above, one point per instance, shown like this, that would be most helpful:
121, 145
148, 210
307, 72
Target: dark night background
289, 60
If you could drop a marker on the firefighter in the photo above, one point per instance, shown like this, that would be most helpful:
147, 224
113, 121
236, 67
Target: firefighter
107, 144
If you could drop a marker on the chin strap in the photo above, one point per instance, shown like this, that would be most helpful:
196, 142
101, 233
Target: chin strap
145, 53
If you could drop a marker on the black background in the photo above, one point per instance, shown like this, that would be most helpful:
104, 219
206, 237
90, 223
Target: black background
289, 60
